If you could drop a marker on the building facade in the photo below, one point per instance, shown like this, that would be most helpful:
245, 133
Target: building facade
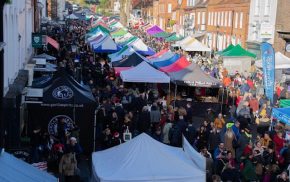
18, 22
262, 23
166, 8
196, 18
282, 28
227, 23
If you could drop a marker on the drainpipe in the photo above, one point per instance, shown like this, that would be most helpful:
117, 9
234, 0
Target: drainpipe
2, 44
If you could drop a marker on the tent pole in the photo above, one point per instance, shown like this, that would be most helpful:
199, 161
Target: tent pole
222, 100
175, 94
169, 96
95, 126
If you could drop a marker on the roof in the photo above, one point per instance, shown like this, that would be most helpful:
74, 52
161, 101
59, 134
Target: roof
281, 61
144, 73
149, 159
166, 62
282, 114
180, 64
132, 60
16, 170
193, 76
238, 51
174, 37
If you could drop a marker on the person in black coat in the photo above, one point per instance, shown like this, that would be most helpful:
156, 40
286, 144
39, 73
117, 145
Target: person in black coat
144, 120
189, 112
190, 133
213, 140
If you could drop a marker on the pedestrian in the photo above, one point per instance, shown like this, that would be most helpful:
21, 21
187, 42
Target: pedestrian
68, 167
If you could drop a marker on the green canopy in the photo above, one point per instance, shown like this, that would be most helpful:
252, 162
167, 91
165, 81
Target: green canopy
284, 103
99, 28
226, 49
162, 35
129, 40
174, 38
114, 23
238, 51
119, 33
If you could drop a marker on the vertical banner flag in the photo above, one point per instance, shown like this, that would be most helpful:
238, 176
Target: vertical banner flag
268, 60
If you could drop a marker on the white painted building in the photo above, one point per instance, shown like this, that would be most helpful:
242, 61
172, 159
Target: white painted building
60, 9
18, 20
117, 7
262, 21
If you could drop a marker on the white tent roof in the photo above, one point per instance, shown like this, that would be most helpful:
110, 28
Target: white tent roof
16, 170
118, 25
195, 45
139, 45
118, 56
124, 37
144, 73
144, 159
107, 43
281, 61
181, 42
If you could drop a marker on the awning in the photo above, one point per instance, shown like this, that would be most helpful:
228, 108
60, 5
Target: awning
195, 45
144, 73
282, 114
180, 64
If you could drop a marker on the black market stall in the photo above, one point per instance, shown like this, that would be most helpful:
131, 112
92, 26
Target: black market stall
193, 76
64, 99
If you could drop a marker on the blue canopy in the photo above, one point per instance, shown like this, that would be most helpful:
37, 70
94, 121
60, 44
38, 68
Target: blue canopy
282, 114
16, 170
149, 52
167, 62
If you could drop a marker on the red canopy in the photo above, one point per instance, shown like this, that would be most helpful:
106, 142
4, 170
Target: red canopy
178, 65
158, 54
119, 69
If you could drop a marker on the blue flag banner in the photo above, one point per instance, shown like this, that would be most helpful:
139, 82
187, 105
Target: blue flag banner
268, 60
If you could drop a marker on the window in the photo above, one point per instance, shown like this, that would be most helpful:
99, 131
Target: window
208, 18
222, 19
174, 15
169, 8
226, 18
203, 18
230, 19
212, 18
161, 8
257, 7
241, 20
198, 18
215, 18
267, 8
188, 3
219, 18
236, 20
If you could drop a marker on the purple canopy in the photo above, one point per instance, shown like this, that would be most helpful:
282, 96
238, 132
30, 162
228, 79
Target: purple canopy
154, 30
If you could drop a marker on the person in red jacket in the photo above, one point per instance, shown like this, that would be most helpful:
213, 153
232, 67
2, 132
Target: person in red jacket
279, 142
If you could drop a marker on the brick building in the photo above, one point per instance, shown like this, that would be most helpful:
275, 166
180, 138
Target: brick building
166, 8
282, 27
227, 22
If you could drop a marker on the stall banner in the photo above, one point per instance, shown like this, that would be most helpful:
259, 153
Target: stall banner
268, 60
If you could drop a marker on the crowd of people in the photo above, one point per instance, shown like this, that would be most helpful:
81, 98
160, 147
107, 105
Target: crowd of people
234, 150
